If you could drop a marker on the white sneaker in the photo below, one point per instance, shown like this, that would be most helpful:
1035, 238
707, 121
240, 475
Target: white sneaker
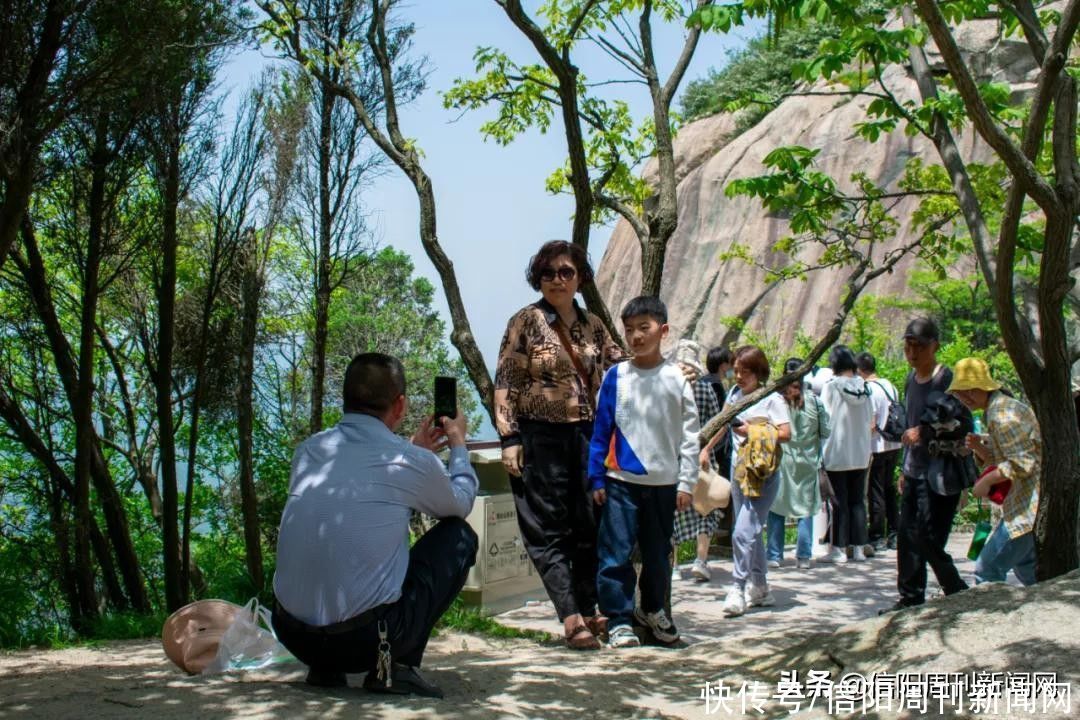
857, 554
774, 564
803, 563
735, 602
759, 596
623, 636
700, 571
836, 555
660, 624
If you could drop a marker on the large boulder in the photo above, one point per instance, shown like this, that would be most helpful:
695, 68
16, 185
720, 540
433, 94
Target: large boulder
701, 290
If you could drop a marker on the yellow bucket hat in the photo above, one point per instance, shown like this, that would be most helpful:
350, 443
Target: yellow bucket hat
972, 374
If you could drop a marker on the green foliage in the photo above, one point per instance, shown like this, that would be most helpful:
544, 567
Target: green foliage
755, 77
464, 618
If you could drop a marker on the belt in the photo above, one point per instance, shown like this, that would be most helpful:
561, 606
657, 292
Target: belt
365, 618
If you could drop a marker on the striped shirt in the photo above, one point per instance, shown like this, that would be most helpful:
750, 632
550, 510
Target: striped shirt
1016, 449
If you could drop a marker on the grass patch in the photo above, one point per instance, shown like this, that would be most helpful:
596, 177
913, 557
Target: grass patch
126, 626
469, 619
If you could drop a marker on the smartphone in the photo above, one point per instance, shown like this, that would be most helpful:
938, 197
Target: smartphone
445, 398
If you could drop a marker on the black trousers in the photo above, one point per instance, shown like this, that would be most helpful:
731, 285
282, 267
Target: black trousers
925, 521
849, 507
438, 565
556, 514
883, 510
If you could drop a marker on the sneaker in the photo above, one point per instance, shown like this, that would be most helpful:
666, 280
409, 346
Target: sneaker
896, 606
836, 555
759, 596
700, 571
623, 636
803, 563
858, 554
868, 551
891, 543
659, 623
879, 545
774, 564
735, 602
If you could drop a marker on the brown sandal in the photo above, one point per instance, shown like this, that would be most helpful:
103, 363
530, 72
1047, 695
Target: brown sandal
598, 626
580, 638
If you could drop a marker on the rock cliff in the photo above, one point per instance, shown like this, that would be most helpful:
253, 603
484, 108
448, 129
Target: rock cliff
699, 288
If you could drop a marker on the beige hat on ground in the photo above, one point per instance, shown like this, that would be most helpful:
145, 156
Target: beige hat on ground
192, 634
712, 491
972, 374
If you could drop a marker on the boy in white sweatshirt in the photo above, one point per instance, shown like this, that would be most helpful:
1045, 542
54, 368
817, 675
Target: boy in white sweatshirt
642, 467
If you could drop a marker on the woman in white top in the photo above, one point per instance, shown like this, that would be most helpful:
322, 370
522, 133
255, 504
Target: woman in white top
847, 454
751, 587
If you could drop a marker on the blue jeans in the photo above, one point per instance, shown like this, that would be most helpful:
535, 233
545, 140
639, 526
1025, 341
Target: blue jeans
1001, 554
775, 531
644, 514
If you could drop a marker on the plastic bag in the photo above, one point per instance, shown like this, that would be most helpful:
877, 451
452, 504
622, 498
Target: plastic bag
249, 643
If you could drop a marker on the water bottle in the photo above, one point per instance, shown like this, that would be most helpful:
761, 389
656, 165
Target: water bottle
978, 425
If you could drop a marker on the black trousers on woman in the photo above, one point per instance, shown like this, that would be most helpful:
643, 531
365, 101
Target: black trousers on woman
849, 507
556, 515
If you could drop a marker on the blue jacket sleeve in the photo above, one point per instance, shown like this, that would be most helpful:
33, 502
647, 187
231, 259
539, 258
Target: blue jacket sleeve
603, 429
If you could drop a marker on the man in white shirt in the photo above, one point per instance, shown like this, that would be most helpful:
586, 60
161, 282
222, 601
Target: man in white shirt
886, 454
347, 583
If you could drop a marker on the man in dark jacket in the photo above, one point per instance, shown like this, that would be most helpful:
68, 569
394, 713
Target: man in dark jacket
933, 474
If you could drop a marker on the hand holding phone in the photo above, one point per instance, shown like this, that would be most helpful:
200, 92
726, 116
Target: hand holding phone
445, 398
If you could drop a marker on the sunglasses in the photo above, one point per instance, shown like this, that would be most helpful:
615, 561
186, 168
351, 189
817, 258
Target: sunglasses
565, 273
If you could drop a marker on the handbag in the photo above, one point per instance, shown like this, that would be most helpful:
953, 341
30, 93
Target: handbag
982, 534
712, 491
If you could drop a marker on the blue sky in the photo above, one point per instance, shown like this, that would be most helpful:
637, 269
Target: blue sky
493, 211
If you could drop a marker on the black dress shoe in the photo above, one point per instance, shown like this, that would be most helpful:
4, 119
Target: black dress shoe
406, 681
325, 678
898, 605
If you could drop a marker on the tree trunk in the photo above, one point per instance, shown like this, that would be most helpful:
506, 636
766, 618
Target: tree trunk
322, 276
245, 411
175, 592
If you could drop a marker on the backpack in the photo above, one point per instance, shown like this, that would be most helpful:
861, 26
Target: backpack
896, 422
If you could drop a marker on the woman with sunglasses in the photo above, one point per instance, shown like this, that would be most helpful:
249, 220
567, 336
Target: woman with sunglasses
551, 361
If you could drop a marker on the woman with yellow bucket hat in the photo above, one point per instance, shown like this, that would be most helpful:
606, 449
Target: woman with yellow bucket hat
1011, 451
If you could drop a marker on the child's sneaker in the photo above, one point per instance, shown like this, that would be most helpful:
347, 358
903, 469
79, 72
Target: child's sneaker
857, 554
659, 623
759, 596
700, 571
803, 563
622, 636
774, 564
734, 603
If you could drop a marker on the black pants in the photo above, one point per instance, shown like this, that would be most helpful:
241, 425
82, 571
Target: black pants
556, 514
883, 515
849, 507
438, 565
925, 521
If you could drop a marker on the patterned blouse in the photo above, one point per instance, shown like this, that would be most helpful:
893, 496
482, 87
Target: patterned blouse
536, 379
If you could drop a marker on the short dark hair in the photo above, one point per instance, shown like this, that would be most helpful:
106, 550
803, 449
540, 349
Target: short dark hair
866, 362
842, 359
793, 364
753, 359
553, 249
373, 381
717, 356
645, 305
922, 330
